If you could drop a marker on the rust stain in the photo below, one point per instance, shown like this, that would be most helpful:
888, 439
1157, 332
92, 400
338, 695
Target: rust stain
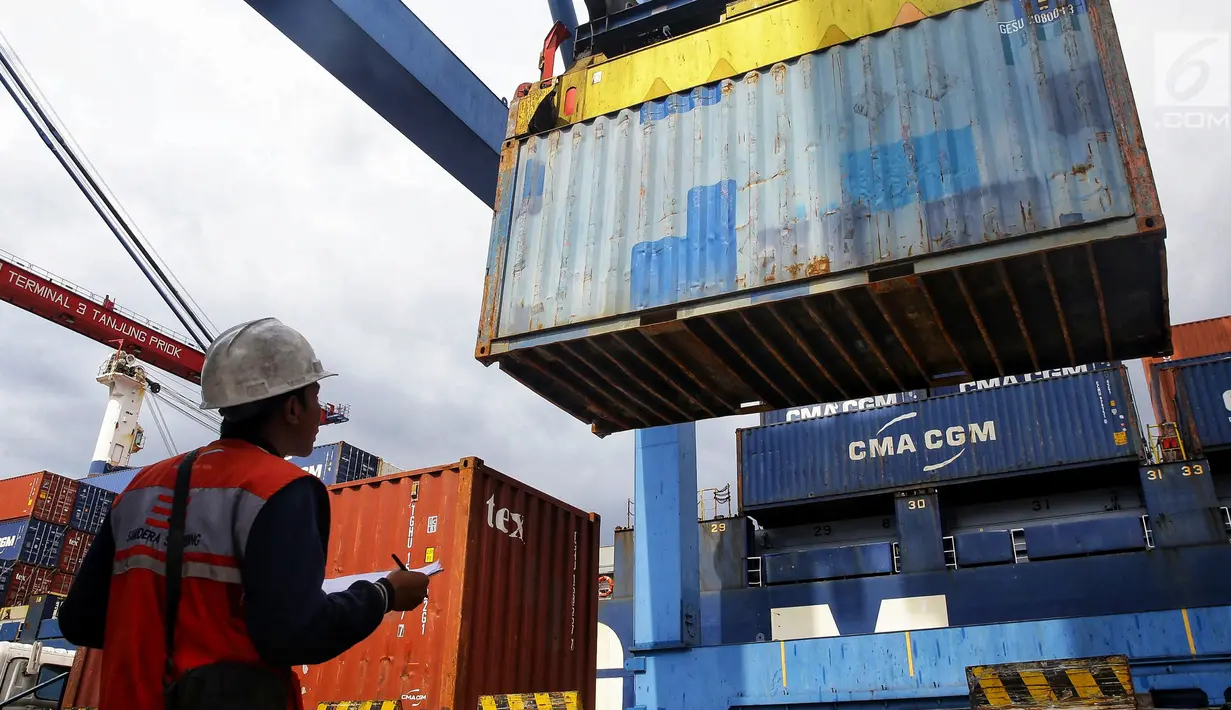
752, 77
727, 87
818, 265
794, 269
1082, 169
779, 73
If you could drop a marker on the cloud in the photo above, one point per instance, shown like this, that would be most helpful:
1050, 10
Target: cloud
271, 190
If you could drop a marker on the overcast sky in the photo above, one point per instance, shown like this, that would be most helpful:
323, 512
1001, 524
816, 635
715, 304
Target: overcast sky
271, 190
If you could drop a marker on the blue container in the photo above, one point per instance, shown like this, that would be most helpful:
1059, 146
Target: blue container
1203, 389
1182, 504
995, 382
91, 508
31, 541
829, 409
9, 630
338, 463
116, 481
1045, 424
6, 573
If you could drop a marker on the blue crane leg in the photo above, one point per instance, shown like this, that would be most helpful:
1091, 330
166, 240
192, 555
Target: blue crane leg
385, 55
666, 586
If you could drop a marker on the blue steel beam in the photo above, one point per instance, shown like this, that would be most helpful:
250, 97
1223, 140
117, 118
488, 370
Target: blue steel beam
385, 55
667, 577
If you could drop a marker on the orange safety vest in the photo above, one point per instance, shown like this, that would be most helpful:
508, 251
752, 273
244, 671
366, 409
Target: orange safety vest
231, 481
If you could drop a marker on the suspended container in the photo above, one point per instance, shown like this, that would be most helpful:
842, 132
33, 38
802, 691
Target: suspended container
940, 199
513, 611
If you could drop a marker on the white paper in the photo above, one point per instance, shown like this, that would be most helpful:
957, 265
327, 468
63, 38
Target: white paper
341, 584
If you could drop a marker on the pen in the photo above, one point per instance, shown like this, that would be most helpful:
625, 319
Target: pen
402, 566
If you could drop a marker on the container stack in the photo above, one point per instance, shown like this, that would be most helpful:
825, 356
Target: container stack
1192, 389
49, 522
35, 512
1044, 464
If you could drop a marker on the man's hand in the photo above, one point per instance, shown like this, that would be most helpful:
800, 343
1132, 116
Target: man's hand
409, 589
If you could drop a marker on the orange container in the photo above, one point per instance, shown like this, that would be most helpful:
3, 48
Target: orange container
515, 609
1195, 339
43, 495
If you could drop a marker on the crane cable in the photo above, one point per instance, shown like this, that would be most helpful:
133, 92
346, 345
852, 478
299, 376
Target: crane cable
18, 87
160, 421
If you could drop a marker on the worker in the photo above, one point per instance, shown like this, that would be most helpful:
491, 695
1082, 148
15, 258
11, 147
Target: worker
254, 541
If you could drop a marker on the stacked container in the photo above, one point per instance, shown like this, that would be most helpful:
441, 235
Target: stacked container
35, 512
339, 463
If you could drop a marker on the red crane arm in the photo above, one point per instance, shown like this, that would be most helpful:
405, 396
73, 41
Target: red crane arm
39, 292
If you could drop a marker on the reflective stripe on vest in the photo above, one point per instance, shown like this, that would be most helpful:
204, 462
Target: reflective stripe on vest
215, 530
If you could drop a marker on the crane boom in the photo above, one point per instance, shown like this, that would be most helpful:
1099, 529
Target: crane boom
39, 292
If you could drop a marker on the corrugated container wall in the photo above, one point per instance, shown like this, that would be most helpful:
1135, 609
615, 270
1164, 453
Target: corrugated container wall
514, 611
339, 462
1068, 421
34, 542
1189, 340
42, 495
1203, 394
828, 409
116, 481
841, 225
72, 552
26, 580
91, 508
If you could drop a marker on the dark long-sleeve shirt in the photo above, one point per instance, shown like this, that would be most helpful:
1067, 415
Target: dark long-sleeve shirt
291, 620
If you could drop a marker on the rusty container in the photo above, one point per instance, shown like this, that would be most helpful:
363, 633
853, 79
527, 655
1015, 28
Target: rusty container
515, 609
84, 679
921, 202
1196, 339
44, 496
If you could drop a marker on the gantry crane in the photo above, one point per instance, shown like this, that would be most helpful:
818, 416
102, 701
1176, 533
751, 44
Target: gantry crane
101, 319
134, 338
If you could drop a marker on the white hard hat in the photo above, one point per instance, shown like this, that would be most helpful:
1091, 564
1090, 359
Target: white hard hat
257, 360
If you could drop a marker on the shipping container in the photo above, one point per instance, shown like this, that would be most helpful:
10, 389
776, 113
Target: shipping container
1202, 388
339, 462
1197, 339
514, 610
994, 382
44, 495
828, 409
76, 544
6, 574
1044, 424
26, 580
60, 583
962, 198
116, 481
91, 508
84, 679
34, 542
